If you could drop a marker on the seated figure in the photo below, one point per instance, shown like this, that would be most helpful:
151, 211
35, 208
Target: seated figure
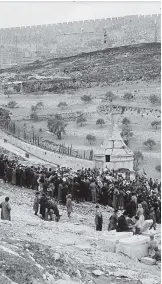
152, 246
113, 220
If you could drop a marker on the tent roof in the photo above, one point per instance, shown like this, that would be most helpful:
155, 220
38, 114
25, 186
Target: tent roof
114, 144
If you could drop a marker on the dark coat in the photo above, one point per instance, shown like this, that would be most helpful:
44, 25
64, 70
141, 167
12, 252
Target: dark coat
131, 208
122, 224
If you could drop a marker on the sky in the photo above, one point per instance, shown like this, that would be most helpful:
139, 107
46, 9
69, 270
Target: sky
15, 14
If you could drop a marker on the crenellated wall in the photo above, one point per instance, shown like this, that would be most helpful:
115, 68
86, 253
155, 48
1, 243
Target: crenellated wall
65, 39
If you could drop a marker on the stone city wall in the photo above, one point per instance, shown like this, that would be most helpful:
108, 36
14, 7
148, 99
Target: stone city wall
66, 39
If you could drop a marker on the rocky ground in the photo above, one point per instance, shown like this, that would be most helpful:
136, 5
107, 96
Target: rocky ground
33, 251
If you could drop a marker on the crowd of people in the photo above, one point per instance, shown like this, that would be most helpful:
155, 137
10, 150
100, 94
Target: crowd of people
105, 187
139, 200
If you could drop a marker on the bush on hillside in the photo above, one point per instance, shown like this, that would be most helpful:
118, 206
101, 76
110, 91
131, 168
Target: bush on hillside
138, 156
57, 126
155, 123
34, 116
150, 143
158, 168
100, 121
128, 96
126, 121
155, 99
91, 139
81, 120
62, 105
12, 104
126, 134
86, 98
109, 96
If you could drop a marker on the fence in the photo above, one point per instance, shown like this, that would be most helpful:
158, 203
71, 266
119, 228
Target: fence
34, 138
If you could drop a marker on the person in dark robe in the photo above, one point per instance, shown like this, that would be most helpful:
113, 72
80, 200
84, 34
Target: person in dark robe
122, 223
2, 168
5, 210
19, 173
131, 208
77, 191
113, 221
42, 203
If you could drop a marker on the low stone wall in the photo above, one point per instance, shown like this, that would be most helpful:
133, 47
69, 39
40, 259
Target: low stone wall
50, 157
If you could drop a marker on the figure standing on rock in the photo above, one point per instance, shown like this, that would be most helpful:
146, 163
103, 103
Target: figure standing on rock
5, 210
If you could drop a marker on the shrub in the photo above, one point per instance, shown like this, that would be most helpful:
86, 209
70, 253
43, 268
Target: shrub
57, 126
109, 96
155, 99
150, 143
34, 116
158, 168
90, 138
62, 105
81, 120
126, 121
100, 121
155, 124
128, 96
138, 156
12, 104
86, 98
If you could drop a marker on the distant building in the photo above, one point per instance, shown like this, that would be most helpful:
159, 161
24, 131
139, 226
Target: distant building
113, 152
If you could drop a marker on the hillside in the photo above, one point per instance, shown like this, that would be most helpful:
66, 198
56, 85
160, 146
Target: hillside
113, 65
33, 251
134, 69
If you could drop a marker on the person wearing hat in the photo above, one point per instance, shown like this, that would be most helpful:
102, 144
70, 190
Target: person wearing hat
113, 221
69, 205
122, 223
98, 219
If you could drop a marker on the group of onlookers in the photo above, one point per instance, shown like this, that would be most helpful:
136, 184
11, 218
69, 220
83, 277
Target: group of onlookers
105, 187
139, 200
